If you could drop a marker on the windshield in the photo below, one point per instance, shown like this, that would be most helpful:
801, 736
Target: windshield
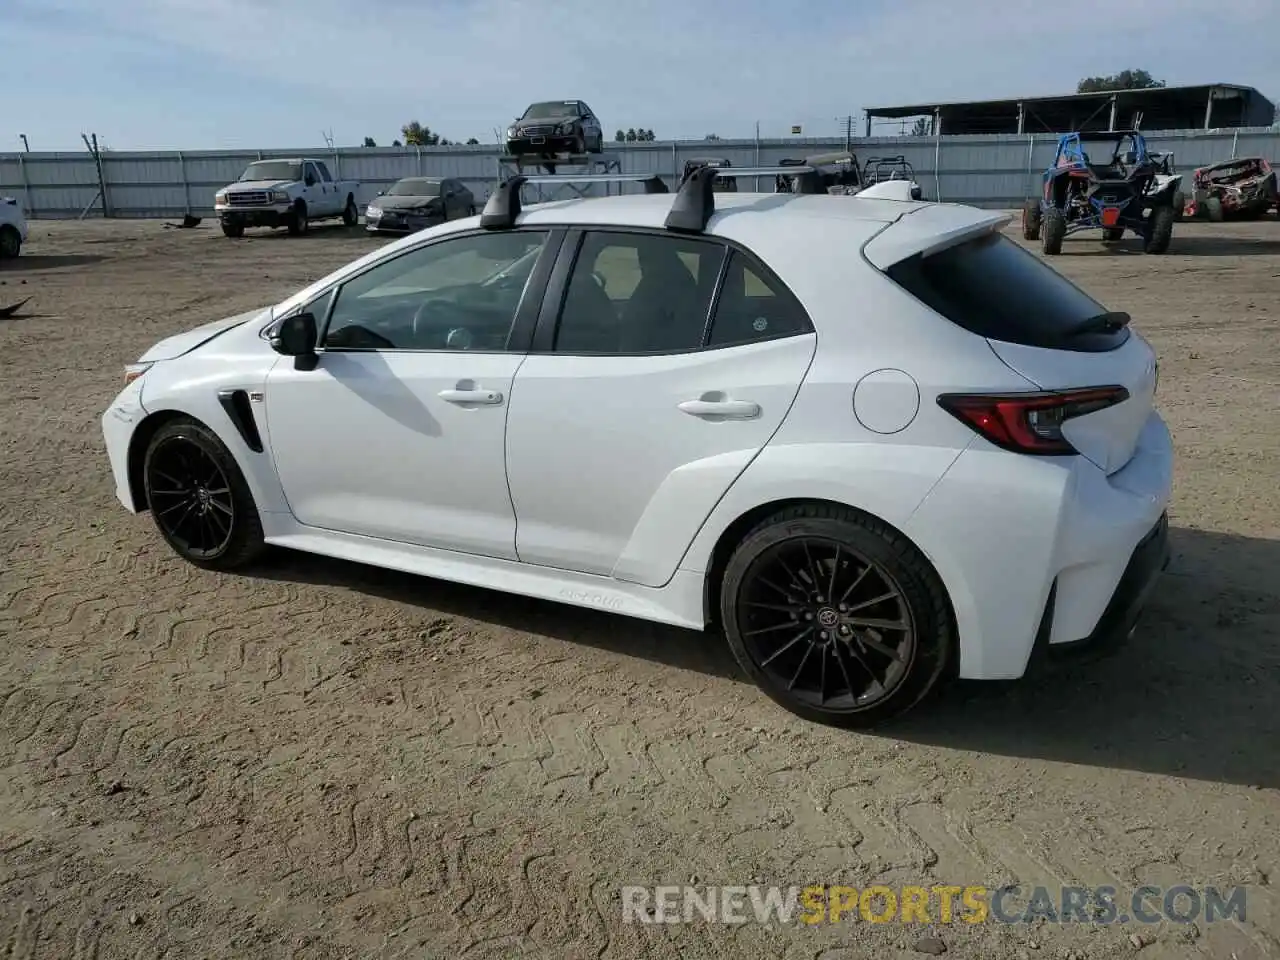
272, 170
415, 187
552, 108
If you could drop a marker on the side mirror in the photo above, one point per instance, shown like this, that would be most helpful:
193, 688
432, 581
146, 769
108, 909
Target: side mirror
296, 337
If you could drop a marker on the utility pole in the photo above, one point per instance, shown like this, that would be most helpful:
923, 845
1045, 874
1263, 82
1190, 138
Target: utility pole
92, 146
847, 123
26, 147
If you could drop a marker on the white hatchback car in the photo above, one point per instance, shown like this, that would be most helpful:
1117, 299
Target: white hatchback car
13, 227
876, 442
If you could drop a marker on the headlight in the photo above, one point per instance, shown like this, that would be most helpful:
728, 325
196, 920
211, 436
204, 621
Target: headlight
280, 196
373, 211
132, 371
219, 197
565, 127
511, 132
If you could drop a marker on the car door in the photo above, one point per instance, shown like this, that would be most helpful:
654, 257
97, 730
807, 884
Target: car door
328, 188
397, 433
660, 367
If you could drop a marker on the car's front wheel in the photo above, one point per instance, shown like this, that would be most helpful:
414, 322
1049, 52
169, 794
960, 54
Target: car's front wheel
198, 497
835, 616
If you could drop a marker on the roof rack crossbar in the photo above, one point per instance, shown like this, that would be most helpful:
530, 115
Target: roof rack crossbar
503, 206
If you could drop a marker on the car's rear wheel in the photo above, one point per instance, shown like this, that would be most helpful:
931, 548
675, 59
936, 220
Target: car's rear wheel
835, 616
1112, 234
1032, 217
10, 242
198, 497
1179, 204
1053, 232
1214, 210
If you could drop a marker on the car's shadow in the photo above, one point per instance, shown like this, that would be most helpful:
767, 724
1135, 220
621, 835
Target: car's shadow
30, 262
1193, 694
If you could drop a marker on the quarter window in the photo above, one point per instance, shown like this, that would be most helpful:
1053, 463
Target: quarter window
459, 294
754, 306
638, 293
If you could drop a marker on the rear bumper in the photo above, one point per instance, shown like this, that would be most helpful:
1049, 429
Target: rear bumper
1149, 558
1045, 551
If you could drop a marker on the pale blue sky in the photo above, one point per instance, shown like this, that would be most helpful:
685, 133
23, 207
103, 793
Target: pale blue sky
204, 74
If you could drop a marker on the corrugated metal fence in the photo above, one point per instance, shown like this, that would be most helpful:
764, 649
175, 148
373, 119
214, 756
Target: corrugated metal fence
990, 171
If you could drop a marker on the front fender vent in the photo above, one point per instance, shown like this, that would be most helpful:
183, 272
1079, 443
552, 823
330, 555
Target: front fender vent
236, 403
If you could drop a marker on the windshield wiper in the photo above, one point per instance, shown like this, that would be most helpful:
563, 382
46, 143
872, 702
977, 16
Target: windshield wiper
1108, 322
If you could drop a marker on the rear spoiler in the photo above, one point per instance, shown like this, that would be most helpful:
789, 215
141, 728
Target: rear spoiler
929, 229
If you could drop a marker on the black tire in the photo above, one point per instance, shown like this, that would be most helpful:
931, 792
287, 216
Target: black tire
1032, 217
1112, 234
10, 242
852, 553
1159, 230
187, 468
1179, 204
350, 215
298, 222
1213, 209
579, 146
233, 230
1053, 232
471, 210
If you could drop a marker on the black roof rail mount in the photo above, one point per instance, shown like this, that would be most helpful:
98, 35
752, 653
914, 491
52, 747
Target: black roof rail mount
695, 200
503, 206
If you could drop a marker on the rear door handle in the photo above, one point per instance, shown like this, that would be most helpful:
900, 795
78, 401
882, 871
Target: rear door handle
471, 396
721, 409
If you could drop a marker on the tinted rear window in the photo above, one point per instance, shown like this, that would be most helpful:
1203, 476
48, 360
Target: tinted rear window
994, 288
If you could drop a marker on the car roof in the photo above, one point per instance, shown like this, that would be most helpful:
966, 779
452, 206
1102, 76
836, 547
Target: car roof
650, 210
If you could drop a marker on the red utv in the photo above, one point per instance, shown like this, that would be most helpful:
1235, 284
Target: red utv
1239, 189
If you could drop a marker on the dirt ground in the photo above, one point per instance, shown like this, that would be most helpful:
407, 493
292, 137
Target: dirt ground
320, 760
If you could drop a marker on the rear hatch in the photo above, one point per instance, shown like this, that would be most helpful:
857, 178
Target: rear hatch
1042, 326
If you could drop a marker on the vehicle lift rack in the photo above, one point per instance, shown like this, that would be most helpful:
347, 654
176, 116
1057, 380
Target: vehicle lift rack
589, 165
692, 207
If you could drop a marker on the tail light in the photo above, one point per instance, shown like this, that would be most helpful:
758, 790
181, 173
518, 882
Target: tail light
1029, 422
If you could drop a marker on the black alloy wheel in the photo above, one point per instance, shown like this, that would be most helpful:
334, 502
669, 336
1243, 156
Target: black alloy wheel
836, 616
198, 497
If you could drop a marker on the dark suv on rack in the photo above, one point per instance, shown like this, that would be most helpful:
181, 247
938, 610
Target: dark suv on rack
556, 126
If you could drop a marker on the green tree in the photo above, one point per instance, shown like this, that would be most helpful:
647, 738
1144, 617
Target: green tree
922, 128
632, 137
472, 141
416, 135
1124, 80
620, 136
396, 143
370, 142
712, 136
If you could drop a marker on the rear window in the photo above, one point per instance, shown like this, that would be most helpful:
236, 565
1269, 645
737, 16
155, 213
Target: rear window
994, 288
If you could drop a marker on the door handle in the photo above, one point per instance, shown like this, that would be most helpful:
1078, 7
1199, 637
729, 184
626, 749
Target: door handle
477, 396
721, 409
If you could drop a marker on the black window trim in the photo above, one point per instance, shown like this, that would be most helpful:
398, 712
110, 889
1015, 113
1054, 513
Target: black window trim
557, 288
522, 327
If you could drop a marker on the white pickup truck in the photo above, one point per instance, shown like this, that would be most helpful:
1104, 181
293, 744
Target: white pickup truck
285, 193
